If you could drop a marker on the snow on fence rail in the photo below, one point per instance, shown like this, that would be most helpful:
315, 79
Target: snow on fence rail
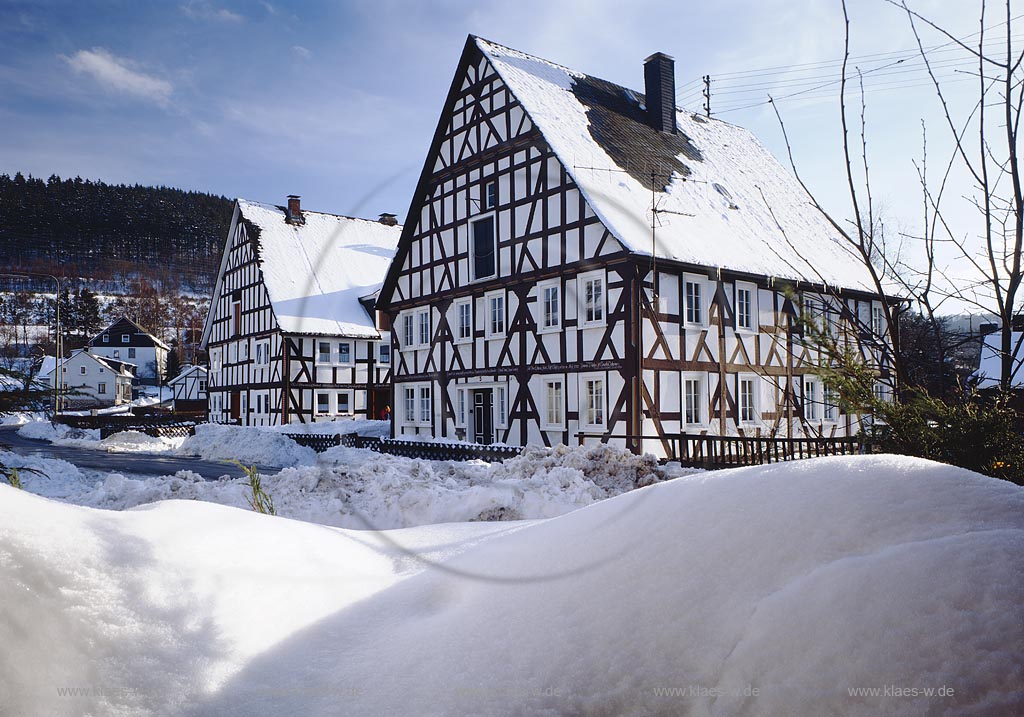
703, 451
427, 450
167, 425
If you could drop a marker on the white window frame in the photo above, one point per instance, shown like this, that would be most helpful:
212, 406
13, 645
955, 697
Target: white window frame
316, 403
487, 201
813, 402
877, 321
424, 330
501, 406
262, 354
461, 403
117, 353
126, 338
755, 398
559, 407
202, 385
472, 246
83, 370
320, 353
408, 330
424, 404
544, 287
701, 379
384, 353
351, 351
347, 395
409, 404
753, 321
588, 411
583, 280
700, 317
489, 327
830, 399
459, 307
106, 338
101, 387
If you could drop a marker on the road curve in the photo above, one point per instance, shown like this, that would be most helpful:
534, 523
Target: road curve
146, 464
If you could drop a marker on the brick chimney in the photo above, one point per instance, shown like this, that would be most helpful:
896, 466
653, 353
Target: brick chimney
660, 91
388, 219
294, 210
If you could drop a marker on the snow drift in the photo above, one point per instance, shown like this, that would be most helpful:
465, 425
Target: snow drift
777, 590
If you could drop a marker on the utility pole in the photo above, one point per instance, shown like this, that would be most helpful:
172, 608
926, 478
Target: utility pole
707, 95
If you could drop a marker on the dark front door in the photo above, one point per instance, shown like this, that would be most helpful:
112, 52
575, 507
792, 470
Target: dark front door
483, 416
236, 403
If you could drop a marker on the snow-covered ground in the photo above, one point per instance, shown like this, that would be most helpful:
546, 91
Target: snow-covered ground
356, 488
791, 589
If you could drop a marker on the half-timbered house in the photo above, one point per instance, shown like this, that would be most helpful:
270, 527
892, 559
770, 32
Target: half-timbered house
583, 261
293, 334
189, 388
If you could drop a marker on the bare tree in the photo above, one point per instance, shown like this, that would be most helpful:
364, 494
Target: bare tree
994, 253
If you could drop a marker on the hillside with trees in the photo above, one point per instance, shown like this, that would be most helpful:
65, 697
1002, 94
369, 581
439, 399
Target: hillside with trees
111, 234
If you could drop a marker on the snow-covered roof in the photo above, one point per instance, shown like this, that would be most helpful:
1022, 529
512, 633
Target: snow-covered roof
990, 366
138, 329
316, 272
728, 203
188, 371
118, 367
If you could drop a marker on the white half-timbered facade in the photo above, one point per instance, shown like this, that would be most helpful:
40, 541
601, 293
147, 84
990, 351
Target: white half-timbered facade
189, 388
293, 333
585, 262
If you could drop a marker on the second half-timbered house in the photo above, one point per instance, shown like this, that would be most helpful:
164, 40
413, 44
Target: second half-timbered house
293, 334
582, 261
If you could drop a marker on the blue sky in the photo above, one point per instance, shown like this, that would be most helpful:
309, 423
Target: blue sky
337, 101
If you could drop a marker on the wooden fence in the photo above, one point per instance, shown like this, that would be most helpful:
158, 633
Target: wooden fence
155, 425
706, 451
426, 450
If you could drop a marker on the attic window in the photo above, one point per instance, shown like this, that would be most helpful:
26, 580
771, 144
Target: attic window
125, 338
634, 97
106, 338
725, 193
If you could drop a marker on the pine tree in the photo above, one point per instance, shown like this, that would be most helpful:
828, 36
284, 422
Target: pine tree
173, 367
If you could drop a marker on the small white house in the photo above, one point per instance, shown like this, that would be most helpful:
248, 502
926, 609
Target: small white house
190, 389
124, 340
93, 381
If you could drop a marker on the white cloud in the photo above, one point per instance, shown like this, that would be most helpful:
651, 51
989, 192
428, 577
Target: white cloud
116, 73
301, 52
205, 10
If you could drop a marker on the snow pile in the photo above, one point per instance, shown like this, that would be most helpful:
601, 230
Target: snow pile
218, 442
342, 425
49, 477
57, 432
773, 590
138, 442
356, 488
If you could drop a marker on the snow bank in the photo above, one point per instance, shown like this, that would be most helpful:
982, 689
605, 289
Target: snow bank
788, 585
356, 488
217, 442
50, 477
138, 442
56, 432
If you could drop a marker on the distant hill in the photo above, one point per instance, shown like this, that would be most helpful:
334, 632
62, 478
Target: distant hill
111, 232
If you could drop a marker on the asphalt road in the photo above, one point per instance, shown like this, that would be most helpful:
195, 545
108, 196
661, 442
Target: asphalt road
147, 464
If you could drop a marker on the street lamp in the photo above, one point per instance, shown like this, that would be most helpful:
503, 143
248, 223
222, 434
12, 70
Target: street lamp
58, 341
